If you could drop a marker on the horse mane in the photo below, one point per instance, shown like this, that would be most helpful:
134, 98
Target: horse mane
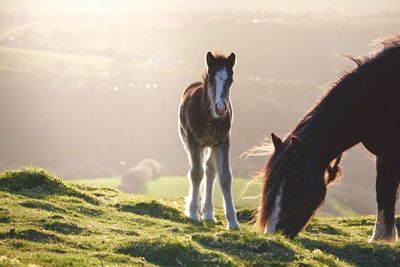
386, 46
333, 172
275, 169
269, 187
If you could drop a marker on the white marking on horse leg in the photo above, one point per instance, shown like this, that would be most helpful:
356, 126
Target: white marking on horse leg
208, 207
193, 199
276, 211
225, 181
230, 212
195, 175
383, 232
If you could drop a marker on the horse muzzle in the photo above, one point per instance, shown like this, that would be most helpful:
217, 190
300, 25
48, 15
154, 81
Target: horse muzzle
220, 108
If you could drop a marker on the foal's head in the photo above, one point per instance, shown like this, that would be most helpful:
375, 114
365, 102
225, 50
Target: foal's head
219, 78
294, 187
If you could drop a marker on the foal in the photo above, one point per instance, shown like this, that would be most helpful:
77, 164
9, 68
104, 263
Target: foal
205, 117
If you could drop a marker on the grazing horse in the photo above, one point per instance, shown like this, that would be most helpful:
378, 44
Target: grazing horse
361, 107
205, 117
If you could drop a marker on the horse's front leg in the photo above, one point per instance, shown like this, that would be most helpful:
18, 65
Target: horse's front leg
208, 206
195, 176
225, 181
387, 185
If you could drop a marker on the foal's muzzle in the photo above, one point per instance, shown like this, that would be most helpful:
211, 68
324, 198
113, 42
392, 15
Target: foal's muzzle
220, 108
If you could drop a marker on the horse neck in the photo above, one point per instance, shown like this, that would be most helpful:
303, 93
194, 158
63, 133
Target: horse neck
335, 124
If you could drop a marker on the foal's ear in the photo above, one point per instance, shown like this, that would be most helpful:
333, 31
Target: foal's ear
231, 59
210, 59
276, 141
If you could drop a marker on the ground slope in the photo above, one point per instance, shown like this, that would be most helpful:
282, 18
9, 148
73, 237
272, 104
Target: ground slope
46, 222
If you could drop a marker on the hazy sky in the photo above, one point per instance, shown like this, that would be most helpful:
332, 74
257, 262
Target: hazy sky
351, 7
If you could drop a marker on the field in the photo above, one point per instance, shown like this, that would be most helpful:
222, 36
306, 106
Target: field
47, 222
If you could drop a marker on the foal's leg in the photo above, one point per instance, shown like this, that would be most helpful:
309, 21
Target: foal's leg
225, 181
195, 175
387, 185
208, 207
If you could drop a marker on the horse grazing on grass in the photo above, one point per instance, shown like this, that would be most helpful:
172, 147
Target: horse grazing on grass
361, 107
205, 117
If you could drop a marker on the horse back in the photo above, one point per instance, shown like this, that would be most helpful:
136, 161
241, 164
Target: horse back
382, 116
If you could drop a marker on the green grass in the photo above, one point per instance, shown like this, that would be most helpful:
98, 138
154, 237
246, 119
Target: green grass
245, 192
47, 222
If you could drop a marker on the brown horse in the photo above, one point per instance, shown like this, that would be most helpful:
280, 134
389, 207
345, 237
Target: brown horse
205, 117
362, 107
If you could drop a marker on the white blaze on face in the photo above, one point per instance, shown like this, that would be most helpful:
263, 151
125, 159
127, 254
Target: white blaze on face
276, 210
220, 79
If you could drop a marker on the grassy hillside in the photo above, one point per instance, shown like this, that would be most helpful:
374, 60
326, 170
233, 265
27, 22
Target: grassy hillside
47, 222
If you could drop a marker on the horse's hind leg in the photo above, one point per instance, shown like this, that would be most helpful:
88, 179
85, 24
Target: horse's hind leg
225, 181
195, 175
208, 207
387, 185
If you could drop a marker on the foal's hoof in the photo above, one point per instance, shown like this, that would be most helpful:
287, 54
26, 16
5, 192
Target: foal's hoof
208, 218
194, 217
233, 226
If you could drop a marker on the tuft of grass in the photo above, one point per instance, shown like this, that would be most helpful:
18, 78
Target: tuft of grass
246, 215
46, 222
153, 209
171, 251
31, 235
43, 205
63, 227
38, 183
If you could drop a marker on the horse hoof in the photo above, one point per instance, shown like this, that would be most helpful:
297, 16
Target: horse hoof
386, 235
234, 226
208, 218
387, 240
193, 217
